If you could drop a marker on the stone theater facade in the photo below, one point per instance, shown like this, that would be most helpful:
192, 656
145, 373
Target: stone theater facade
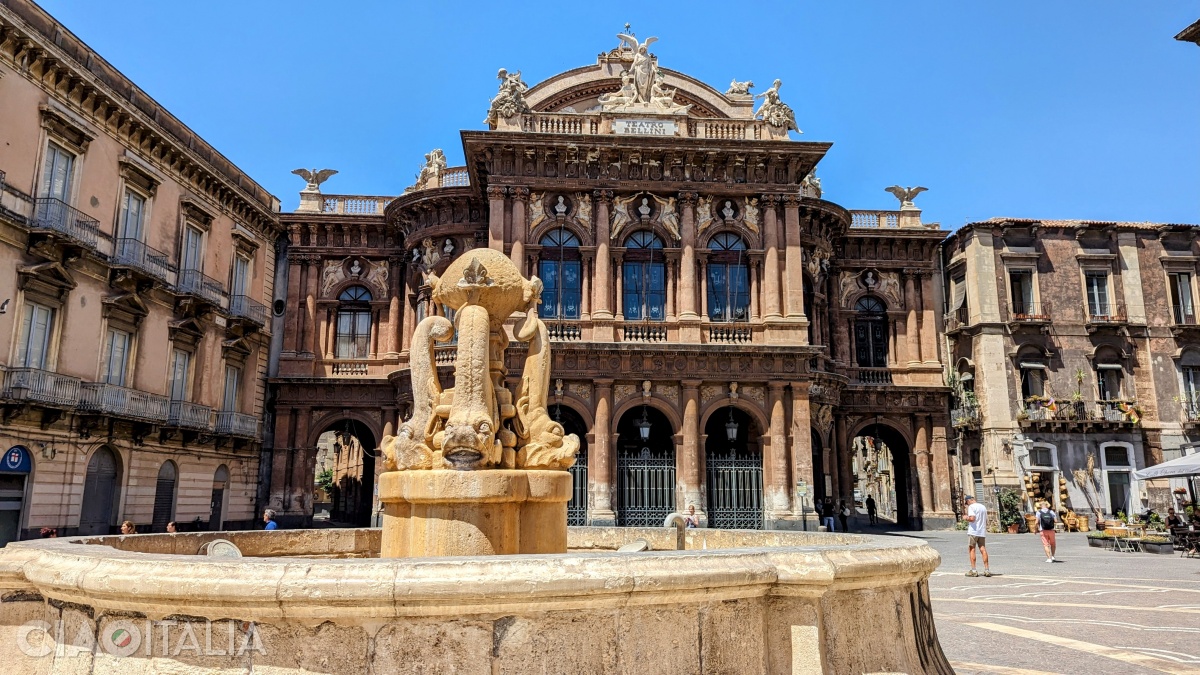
722, 334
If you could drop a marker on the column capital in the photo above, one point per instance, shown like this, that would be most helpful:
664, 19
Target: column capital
769, 200
496, 192
603, 382
791, 201
521, 193
691, 385
687, 198
605, 196
776, 387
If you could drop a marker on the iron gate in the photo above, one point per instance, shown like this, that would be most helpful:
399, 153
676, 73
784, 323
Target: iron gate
577, 507
645, 488
735, 492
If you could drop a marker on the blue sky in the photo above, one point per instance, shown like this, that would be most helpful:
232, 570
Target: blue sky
1028, 109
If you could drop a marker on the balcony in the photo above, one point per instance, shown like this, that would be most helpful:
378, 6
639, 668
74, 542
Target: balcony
31, 385
350, 368
966, 417
1105, 317
644, 332
55, 215
197, 285
882, 219
871, 376
732, 333
1183, 321
137, 255
236, 424
191, 416
957, 319
243, 307
1029, 313
1079, 415
109, 399
564, 331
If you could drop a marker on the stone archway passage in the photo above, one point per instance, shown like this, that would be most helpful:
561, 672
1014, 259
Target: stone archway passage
573, 424
353, 469
734, 472
645, 469
884, 472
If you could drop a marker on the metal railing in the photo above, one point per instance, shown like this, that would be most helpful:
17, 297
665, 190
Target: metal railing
244, 307
41, 386
55, 214
1191, 411
730, 333
109, 399
349, 368
564, 332
874, 219
1106, 315
187, 415
871, 376
1183, 316
966, 416
194, 282
1115, 411
1029, 311
231, 423
136, 254
644, 333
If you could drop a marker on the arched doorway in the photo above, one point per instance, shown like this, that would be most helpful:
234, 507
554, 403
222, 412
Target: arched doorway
573, 424
100, 492
645, 468
820, 476
345, 473
164, 497
882, 471
216, 505
733, 470
15, 465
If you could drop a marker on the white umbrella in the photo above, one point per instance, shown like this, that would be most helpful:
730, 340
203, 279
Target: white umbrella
1188, 465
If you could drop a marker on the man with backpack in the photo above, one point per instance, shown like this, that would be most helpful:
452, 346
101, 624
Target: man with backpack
1045, 524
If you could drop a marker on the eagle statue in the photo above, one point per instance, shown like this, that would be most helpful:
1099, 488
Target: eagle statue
314, 178
905, 195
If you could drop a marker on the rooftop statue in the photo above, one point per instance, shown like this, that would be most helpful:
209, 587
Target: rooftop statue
643, 85
644, 66
430, 175
314, 177
905, 195
476, 425
510, 100
774, 111
739, 88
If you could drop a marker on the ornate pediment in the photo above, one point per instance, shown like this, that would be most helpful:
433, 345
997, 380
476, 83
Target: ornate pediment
50, 278
187, 331
127, 307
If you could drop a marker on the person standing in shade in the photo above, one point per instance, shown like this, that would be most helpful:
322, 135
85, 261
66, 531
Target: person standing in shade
827, 515
976, 532
690, 518
844, 515
872, 510
269, 519
1045, 524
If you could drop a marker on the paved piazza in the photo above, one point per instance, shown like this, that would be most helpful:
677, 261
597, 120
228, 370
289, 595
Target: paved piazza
1096, 611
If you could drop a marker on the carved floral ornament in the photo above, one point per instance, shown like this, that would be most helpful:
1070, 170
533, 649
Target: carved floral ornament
373, 274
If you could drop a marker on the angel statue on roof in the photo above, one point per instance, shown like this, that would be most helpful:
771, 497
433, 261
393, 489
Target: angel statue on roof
643, 67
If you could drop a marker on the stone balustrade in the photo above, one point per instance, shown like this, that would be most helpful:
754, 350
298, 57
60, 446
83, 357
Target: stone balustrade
354, 205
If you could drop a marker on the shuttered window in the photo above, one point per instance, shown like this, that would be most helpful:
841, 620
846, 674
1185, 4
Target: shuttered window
33, 344
57, 173
164, 497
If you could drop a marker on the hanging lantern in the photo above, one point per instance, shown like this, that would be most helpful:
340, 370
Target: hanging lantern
731, 427
643, 426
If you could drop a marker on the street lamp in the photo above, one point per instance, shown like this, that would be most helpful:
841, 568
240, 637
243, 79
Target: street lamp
731, 427
643, 426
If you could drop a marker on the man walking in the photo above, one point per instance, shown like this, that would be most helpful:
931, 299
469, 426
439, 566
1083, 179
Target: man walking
976, 532
1045, 524
872, 513
827, 515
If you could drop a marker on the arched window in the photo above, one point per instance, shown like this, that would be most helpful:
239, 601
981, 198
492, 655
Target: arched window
559, 270
644, 278
728, 279
354, 324
871, 333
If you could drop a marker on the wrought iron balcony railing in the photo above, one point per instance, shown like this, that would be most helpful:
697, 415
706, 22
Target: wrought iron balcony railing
136, 254
187, 415
231, 423
1183, 316
966, 416
55, 214
109, 399
243, 307
32, 385
195, 283
1030, 312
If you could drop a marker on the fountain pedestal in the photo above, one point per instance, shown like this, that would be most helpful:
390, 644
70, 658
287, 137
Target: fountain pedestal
464, 513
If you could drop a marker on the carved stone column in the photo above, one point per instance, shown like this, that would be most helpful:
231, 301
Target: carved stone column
602, 275
396, 270
328, 330
314, 277
671, 267
704, 286
922, 455
688, 485
293, 295
777, 494
410, 320
755, 268
793, 293
600, 456
929, 334
842, 445
687, 265
911, 337
618, 258
495, 195
771, 266
585, 288
802, 467
520, 198
941, 467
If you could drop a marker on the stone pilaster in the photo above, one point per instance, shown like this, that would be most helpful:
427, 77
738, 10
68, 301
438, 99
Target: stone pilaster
687, 264
600, 456
688, 484
520, 228
601, 306
793, 260
770, 287
495, 195
777, 494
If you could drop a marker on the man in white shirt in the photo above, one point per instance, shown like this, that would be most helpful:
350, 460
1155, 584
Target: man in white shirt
976, 532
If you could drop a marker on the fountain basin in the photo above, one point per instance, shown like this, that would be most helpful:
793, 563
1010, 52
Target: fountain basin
731, 602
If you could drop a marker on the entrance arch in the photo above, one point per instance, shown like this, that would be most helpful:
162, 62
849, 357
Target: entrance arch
100, 492
164, 496
819, 475
881, 456
733, 470
573, 423
645, 468
345, 469
216, 506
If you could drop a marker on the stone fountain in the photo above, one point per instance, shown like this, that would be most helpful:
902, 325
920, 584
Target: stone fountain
472, 477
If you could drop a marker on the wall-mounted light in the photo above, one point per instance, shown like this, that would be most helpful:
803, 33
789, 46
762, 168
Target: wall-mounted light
48, 451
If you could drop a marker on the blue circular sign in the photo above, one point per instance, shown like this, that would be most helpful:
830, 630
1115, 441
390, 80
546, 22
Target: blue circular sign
16, 460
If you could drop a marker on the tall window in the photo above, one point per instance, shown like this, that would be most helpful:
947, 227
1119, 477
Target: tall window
1117, 467
559, 270
1191, 390
233, 378
240, 276
1097, 293
116, 356
870, 333
193, 240
354, 324
1108, 381
181, 365
728, 279
133, 209
1033, 380
58, 173
1182, 306
644, 278
33, 345
1020, 286
958, 296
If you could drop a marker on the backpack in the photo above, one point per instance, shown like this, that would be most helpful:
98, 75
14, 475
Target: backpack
1046, 519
